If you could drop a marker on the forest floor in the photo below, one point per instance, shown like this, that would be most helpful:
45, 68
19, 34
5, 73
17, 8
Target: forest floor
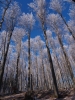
46, 95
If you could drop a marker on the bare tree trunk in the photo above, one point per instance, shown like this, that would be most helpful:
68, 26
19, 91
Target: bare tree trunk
59, 68
37, 71
31, 82
2, 20
67, 60
29, 72
56, 59
21, 80
17, 82
51, 65
65, 72
4, 59
67, 27
45, 83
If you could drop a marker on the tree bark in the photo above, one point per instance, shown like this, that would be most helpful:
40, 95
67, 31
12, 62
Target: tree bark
67, 61
67, 26
51, 65
2, 20
4, 60
17, 82
29, 72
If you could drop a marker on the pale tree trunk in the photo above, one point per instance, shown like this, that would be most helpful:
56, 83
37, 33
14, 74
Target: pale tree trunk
43, 70
17, 81
58, 66
66, 59
4, 46
37, 71
61, 72
7, 70
65, 72
49, 78
5, 57
43, 23
67, 26
22, 73
68, 63
56, 59
40, 79
21, 80
44, 76
51, 64
5, 43
65, 55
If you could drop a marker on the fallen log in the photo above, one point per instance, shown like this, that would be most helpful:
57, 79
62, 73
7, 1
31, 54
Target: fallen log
15, 96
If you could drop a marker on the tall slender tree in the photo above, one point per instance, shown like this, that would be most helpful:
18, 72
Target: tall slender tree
12, 18
58, 7
6, 5
27, 21
17, 37
39, 6
55, 27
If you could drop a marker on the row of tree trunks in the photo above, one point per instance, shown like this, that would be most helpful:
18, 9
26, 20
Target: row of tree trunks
5, 56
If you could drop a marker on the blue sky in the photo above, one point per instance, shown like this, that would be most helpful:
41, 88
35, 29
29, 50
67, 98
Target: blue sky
37, 30
25, 8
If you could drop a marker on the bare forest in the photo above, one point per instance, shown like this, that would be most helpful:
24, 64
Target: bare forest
37, 50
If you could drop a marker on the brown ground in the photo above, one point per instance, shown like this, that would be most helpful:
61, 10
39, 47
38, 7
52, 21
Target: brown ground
47, 95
